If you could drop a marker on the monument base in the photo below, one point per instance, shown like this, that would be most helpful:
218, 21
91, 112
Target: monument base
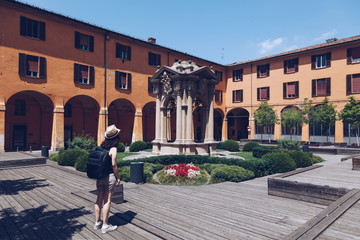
205, 149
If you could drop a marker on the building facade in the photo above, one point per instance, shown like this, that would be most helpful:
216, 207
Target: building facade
61, 78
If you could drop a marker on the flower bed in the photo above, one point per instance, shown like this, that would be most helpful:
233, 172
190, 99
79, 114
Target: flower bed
183, 170
182, 174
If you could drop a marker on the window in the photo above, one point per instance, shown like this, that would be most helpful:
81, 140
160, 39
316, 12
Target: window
219, 74
31, 28
291, 66
122, 80
321, 87
151, 88
237, 75
68, 110
123, 52
263, 70
263, 93
353, 55
32, 66
84, 42
20, 107
353, 83
83, 74
154, 59
321, 61
291, 90
218, 96
237, 96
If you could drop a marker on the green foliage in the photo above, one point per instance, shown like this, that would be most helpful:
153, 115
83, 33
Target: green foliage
324, 114
280, 162
68, 157
150, 169
316, 159
291, 118
209, 167
124, 173
230, 173
81, 162
248, 147
138, 146
350, 114
260, 151
265, 115
219, 145
287, 144
230, 145
120, 147
82, 142
54, 157
301, 159
149, 145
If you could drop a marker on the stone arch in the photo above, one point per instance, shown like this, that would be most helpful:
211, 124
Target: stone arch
122, 114
320, 133
238, 121
81, 116
28, 121
286, 132
148, 121
218, 121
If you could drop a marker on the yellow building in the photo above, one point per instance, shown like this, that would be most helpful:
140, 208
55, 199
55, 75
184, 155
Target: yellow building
61, 77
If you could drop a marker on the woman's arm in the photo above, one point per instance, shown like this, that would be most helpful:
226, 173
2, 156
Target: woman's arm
113, 155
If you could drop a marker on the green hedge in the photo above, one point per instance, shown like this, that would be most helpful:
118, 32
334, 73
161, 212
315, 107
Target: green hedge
280, 162
288, 144
230, 173
138, 146
83, 142
120, 147
68, 157
81, 162
301, 159
229, 145
248, 147
260, 151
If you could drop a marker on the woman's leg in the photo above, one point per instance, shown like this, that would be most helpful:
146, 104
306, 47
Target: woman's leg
106, 207
98, 205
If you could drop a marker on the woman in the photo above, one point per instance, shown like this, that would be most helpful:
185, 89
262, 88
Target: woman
106, 186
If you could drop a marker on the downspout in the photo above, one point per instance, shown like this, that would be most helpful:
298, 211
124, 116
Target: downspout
106, 37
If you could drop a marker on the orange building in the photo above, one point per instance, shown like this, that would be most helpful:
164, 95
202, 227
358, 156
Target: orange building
61, 77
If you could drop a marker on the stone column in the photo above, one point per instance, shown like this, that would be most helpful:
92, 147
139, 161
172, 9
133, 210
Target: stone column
252, 127
277, 131
157, 118
57, 138
189, 118
210, 122
101, 125
163, 124
339, 131
224, 134
305, 137
183, 115
2, 125
137, 134
178, 116
205, 123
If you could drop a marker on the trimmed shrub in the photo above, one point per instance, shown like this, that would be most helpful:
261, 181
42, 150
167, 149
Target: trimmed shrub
149, 145
124, 173
83, 142
150, 169
137, 146
316, 159
287, 144
248, 147
54, 157
219, 145
230, 145
280, 162
209, 167
230, 173
81, 162
301, 159
260, 151
68, 157
120, 147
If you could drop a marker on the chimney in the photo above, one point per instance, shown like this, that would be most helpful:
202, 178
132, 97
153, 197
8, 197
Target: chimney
152, 40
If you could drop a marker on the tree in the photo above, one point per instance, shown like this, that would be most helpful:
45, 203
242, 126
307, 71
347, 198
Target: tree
291, 118
265, 116
350, 114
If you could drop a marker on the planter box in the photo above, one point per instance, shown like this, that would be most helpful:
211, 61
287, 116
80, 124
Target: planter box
356, 163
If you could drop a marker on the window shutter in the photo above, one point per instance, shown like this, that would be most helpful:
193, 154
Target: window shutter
313, 61
158, 60
22, 26
285, 66
129, 81
296, 65
296, 89
268, 93
91, 43
233, 75
117, 79
76, 73
258, 94
42, 67
42, 31
129, 53
268, 69
313, 90
92, 76
284, 91
220, 96
348, 84
349, 56
149, 85
149, 58
328, 86
77, 40
117, 51
22, 64
328, 59
258, 71
233, 96
241, 96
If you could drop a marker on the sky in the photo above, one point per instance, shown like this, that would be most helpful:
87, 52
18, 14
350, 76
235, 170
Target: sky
222, 31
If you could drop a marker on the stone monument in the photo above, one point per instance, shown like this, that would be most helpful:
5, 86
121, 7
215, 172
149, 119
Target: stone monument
181, 91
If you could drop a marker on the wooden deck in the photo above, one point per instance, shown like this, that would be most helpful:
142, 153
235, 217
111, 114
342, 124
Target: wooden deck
52, 202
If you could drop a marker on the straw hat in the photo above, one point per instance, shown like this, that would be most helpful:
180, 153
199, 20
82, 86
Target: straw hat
111, 132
